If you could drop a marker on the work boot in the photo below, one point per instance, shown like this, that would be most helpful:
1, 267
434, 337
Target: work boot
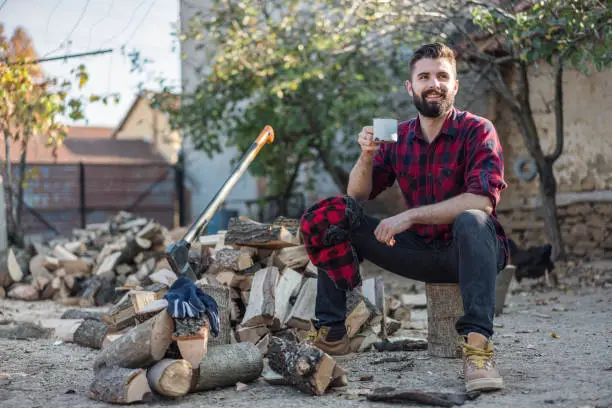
331, 340
479, 371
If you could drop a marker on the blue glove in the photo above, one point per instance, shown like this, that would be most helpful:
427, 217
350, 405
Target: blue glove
185, 299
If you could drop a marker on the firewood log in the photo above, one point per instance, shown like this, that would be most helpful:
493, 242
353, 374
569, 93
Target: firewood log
23, 291
41, 277
234, 259
260, 308
142, 346
303, 310
292, 257
90, 333
227, 364
250, 233
82, 314
306, 367
118, 385
171, 378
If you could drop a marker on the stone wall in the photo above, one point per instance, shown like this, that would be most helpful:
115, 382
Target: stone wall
586, 228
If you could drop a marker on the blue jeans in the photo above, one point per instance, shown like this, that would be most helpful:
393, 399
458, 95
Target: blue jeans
473, 258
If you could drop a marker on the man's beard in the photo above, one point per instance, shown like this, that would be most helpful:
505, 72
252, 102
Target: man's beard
433, 109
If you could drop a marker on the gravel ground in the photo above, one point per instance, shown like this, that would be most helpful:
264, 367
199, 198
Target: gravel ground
554, 348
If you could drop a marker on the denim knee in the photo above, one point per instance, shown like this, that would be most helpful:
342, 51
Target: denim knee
469, 223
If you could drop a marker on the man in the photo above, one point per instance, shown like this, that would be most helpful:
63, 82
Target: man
449, 166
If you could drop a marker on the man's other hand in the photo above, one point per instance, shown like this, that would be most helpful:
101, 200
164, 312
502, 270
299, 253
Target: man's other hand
366, 140
389, 227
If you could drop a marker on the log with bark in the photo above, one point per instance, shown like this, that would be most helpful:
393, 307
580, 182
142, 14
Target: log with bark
117, 385
306, 367
246, 232
169, 377
260, 308
234, 259
82, 314
226, 365
436, 399
141, 346
91, 333
444, 307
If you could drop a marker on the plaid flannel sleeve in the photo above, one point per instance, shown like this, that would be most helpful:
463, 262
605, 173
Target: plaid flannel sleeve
383, 175
485, 168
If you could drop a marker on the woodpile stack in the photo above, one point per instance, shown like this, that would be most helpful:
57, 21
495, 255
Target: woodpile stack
85, 269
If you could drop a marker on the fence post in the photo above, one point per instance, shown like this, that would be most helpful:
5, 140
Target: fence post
82, 195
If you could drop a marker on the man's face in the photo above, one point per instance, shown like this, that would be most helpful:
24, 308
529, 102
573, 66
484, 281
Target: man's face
433, 87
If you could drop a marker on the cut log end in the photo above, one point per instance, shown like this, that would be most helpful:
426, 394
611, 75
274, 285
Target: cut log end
118, 385
171, 378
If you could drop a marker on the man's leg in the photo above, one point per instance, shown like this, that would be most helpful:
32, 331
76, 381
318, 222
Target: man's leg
478, 257
410, 257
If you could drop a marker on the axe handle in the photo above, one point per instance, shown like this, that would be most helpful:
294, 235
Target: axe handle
266, 136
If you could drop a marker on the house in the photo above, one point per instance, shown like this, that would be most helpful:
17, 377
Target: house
96, 172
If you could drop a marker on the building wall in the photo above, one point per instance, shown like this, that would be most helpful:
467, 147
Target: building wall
586, 162
583, 172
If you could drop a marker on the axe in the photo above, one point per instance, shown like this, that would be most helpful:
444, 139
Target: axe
177, 253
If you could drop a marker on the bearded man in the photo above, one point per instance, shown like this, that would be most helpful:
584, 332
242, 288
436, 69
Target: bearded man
448, 164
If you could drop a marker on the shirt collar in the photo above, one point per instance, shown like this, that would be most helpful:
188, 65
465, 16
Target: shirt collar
449, 128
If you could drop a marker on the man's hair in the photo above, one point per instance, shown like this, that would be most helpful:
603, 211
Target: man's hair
433, 51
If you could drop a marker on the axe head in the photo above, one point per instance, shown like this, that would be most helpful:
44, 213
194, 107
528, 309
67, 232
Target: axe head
177, 255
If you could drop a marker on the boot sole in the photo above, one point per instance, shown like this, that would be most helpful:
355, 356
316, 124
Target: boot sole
484, 384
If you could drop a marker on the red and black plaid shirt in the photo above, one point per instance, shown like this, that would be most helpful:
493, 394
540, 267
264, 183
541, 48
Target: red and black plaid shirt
466, 157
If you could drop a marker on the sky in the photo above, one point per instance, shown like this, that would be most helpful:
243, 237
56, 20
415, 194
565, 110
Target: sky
60, 27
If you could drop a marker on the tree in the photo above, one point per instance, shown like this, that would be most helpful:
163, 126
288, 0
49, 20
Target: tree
30, 105
317, 71
563, 33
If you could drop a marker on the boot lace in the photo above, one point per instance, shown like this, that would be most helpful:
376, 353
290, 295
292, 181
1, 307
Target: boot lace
477, 356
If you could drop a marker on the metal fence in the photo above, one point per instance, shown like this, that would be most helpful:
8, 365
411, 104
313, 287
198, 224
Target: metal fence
61, 197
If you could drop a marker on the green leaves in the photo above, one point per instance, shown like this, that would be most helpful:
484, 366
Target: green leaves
314, 72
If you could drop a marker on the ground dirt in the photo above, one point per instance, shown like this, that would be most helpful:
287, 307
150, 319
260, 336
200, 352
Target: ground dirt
554, 348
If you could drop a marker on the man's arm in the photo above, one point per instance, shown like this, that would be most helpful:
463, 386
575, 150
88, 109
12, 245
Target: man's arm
360, 179
372, 173
446, 211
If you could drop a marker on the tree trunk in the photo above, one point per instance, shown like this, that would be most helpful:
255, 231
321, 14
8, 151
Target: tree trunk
8, 188
548, 190
22, 175
544, 164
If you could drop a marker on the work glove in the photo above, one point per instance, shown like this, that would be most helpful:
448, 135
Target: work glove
185, 299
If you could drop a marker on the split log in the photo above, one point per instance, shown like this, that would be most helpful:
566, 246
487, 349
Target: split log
91, 333
234, 259
41, 277
118, 385
63, 254
311, 270
250, 233
171, 378
209, 240
285, 295
226, 365
106, 268
163, 276
23, 291
234, 280
362, 314
260, 308
251, 334
306, 367
444, 308
121, 315
142, 346
292, 257
221, 295
16, 271
77, 267
303, 311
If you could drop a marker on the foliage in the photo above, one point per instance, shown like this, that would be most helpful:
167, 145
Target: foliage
30, 106
315, 71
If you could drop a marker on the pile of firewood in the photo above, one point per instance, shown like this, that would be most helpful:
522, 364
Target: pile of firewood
86, 269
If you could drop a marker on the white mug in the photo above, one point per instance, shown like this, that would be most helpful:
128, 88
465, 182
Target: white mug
385, 130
